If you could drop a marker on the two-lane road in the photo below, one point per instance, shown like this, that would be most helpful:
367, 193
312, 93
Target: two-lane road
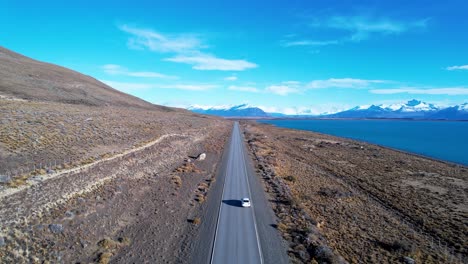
236, 238
230, 233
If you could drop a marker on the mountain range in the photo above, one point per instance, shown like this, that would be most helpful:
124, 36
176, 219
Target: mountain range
413, 109
243, 110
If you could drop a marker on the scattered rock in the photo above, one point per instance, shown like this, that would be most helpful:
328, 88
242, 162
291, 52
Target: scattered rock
83, 243
37, 178
408, 260
56, 228
201, 156
5, 179
2, 242
324, 254
69, 214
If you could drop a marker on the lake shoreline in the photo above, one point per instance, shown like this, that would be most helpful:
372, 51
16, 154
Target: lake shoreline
356, 138
368, 201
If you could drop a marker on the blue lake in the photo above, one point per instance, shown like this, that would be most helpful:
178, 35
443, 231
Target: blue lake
441, 140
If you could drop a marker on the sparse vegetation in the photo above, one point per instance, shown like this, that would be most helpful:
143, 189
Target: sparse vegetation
104, 258
177, 180
199, 197
377, 205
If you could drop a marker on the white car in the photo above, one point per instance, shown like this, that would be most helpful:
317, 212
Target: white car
245, 202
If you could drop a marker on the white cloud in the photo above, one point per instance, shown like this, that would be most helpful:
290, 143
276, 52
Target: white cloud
431, 91
209, 62
231, 78
127, 87
341, 83
244, 88
306, 110
186, 47
309, 43
454, 68
114, 69
362, 27
357, 28
281, 89
292, 83
155, 41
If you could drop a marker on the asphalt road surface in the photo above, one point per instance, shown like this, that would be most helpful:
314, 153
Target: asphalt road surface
244, 235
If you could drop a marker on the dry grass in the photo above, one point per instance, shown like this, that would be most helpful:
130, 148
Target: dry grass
196, 221
104, 258
177, 180
108, 247
357, 195
200, 197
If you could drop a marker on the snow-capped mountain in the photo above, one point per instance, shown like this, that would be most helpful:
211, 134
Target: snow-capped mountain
413, 109
243, 110
458, 112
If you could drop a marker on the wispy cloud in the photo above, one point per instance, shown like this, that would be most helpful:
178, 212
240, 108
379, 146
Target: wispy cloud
231, 78
430, 91
159, 42
130, 87
342, 83
354, 29
309, 43
186, 47
362, 27
460, 67
250, 89
114, 69
281, 89
189, 87
209, 62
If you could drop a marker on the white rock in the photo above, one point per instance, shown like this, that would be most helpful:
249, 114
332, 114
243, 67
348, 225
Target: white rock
202, 156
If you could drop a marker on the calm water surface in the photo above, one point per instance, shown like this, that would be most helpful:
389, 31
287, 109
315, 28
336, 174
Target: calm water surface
440, 140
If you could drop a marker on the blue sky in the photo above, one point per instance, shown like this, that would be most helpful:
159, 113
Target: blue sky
282, 55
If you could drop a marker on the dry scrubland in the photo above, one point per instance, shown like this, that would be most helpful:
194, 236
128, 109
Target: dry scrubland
91, 174
337, 197
143, 207
42, 133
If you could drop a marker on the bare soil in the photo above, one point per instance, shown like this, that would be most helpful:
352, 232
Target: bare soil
91, 174
144, 213
364, 202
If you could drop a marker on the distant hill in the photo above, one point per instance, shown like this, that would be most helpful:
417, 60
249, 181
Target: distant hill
25, 78
242, 110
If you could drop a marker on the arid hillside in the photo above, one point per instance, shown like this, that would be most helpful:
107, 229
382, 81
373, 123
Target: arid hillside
25, 78
52, 117
76, 155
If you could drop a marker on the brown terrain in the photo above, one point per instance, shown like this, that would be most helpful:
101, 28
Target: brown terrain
90, 174
342, 199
